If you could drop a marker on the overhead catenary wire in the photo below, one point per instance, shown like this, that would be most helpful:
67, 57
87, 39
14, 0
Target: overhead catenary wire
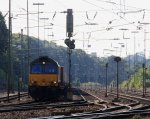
59, 12
112, 27
53, 15
107, 10
75, 11
124, 5
76, 25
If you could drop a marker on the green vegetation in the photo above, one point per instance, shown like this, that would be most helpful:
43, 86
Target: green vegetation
3, 35
3, 51
137, 117
90, 83
136, 82
140, 117
85, 68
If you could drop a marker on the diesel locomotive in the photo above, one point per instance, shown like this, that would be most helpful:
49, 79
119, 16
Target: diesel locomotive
46, 79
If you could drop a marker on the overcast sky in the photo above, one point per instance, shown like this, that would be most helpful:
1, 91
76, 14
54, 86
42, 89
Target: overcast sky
109, 16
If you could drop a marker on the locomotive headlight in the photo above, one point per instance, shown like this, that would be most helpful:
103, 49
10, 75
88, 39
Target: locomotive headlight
33, 82
43, 62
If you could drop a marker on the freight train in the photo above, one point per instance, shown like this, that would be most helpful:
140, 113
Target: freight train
46, 79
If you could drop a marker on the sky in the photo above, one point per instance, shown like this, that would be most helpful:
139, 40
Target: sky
110, 19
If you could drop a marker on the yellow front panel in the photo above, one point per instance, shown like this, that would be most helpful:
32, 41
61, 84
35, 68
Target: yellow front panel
43, 79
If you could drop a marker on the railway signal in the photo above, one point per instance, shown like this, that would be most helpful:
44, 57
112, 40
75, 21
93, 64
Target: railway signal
117, 59
69, 29
70, 44
69, 23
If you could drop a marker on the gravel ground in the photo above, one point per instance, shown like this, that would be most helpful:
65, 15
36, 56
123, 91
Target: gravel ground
16, 101
46, 112
109, 98
56, 111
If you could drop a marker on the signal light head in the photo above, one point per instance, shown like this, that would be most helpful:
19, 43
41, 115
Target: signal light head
70, 43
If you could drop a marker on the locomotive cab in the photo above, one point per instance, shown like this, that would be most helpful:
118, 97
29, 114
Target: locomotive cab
46, 79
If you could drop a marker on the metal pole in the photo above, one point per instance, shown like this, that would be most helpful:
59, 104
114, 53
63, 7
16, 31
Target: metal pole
69, 31
38, 33
127, 63
44, 33
28, 40
117, 83
12, 76
145, 54
134, 52
134, 57
106, 79
44, 29
117, 59
22, 54
18, 88
129, 69
38, 26
70, 67
69, 53
143, 80
9, 53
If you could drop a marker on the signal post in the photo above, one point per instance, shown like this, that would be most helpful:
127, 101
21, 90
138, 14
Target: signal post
70, 44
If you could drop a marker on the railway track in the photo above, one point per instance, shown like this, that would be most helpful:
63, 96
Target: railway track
40, 105
135, 97
132, 102
44, 105
106, 108
133, 92
116, 112
102, 115
131, 95
87, 106
83, 104
13, 97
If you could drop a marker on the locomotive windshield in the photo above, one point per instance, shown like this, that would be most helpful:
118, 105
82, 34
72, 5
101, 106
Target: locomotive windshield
50, 68
44, 69
36, 69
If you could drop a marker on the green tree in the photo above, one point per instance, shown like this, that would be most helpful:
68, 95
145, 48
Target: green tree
3, 35
3, 53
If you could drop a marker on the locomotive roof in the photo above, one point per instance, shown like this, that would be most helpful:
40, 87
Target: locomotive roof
44, 59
